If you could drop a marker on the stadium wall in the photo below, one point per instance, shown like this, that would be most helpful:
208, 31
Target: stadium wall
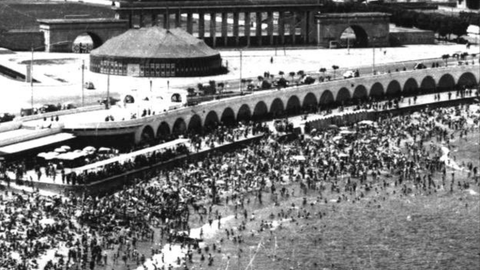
22, 41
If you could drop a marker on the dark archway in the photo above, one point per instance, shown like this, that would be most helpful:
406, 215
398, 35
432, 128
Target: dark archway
211, 120
377, 92
228, 117
410, 87
163, 131
428, 85
260, 111
293, 105
147, 136
354, 36
360, 93
310, 102
179, 127
277, 108
195, 123
343, 96
473, 4
467, 80
446, 83
326, 98
393, 89
244, 113
86, 42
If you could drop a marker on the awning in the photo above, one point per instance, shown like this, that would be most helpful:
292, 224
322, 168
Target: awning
40, 142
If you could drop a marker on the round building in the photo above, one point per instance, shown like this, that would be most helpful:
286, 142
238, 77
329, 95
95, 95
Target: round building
155, 52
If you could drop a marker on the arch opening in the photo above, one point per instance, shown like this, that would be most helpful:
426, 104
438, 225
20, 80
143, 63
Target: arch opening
260, 111
354, 36
244, 113
360, 94
310, 102
147, 136
326, 99
410, 87
179, 127
377, 91
446, 83
85, 43
293, 105
467, 80
343, 96
428, 85
195, 124
277, 109
211, 120
228, 117
163, 131
473, 4
394, 89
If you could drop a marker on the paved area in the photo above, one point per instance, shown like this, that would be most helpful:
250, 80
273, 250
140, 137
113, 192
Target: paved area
296, 120
65, 73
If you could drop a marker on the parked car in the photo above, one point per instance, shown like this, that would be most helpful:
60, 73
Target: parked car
113, 101
46, 108
89, 86
68, 106
419, 66
6, 117
349, 74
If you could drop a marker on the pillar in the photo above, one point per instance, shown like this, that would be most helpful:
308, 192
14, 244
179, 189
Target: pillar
130, 20
281, 26
201, 25
190, 23
312, 28
258, 28
213, 26
270, 27
303, 25
225, 28
293, 21
236, 33
154, 18
166, 19
178, 18
247, 27
140, 19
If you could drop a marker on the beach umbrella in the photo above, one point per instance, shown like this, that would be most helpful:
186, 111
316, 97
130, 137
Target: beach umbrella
104, 149
89, 149
332, 126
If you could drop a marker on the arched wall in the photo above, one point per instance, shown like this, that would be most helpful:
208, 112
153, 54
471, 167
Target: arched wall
322, 93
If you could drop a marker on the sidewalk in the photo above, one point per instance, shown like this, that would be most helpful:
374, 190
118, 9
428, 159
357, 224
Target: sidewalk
296, 120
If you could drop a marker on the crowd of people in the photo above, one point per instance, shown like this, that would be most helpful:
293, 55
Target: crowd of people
410, 151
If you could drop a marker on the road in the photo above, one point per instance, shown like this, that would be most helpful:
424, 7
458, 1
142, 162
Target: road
65, 73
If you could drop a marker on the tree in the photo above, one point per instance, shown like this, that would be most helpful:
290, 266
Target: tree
323, 70
445, 58
334, 67
292, 75
281, 73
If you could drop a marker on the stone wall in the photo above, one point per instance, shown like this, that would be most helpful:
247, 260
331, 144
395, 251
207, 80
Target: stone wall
411, 37
21, 41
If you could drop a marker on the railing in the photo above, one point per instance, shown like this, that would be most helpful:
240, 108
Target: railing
59, 113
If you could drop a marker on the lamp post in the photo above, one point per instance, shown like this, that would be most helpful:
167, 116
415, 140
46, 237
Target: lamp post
241, 62
373, 55
31, 81
31, 70
83, 83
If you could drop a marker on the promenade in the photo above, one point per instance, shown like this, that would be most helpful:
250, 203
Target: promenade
55, 180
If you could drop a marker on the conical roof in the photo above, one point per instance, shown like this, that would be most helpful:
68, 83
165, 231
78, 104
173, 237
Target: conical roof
155, 42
